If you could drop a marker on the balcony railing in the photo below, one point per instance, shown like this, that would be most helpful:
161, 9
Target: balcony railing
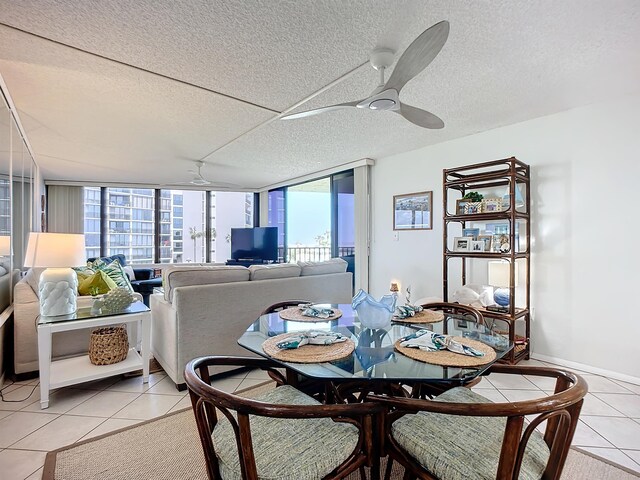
312, 254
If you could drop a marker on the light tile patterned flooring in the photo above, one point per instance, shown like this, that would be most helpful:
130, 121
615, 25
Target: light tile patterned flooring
609, 423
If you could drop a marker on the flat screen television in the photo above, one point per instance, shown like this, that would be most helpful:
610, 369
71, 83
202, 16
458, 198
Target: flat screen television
260, 243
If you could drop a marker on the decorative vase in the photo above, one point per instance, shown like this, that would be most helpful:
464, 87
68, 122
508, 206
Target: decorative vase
373, 313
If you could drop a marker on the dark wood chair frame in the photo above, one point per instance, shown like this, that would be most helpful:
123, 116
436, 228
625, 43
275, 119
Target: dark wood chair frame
560, 411
276, 307
205, 399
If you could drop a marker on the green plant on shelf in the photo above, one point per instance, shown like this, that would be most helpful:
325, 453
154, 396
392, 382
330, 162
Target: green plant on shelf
473, 196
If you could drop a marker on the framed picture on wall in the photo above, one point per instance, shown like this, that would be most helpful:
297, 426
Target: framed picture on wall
412, 211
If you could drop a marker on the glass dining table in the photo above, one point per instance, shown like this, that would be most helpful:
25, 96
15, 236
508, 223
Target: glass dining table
374, 359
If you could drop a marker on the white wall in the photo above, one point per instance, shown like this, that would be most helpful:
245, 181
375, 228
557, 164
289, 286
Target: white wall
585, 169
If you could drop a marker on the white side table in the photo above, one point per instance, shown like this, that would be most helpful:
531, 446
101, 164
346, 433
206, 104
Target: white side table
70, 371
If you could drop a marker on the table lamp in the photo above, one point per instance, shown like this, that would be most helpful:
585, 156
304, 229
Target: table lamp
499, 278
5, 245
58, 286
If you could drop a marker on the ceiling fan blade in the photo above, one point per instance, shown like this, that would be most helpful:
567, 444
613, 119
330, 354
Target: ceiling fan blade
418, 55
316, 111
420, 117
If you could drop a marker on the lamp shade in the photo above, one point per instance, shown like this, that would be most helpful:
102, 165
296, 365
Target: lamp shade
55, 250
499, 274
5, 245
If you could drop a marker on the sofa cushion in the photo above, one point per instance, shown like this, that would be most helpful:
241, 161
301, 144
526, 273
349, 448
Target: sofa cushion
173, 277
33, 279
278, 270
333, 265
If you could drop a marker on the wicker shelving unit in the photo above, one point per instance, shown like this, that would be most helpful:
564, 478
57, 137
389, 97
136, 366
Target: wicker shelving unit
507, 180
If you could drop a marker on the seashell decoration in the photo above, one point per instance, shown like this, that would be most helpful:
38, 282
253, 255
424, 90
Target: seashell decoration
115, 301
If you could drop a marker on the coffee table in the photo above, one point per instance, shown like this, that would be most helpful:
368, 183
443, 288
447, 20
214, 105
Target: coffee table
73, 370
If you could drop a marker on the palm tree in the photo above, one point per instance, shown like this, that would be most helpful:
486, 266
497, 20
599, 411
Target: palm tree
194, 234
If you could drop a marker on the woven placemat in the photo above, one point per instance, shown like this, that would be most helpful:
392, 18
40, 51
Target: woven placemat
425, 316
295, 313
307, 353
446, 358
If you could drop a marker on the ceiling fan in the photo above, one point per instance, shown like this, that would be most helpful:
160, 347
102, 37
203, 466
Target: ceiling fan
199, 181
414, 60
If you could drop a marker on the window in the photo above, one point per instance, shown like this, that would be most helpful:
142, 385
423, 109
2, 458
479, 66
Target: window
130, 212
184, 233
276, 217
228, 210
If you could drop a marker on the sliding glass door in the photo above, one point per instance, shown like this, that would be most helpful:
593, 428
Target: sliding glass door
315, 219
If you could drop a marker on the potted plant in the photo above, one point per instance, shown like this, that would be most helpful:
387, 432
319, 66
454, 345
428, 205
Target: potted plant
474, 204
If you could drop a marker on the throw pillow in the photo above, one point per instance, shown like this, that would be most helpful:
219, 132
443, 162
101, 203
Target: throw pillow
96, 284
83, 273
128, 269
115, 272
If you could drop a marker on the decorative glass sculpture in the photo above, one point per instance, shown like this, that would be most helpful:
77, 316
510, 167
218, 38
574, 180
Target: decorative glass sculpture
373, 313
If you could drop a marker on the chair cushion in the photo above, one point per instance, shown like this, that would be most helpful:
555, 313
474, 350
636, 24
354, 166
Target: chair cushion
287, 449
454, 447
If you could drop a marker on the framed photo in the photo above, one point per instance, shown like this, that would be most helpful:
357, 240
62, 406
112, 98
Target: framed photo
477, 246
472, 207
492, 205
412, 211
462, 244
461, 204
471, 232
487, 240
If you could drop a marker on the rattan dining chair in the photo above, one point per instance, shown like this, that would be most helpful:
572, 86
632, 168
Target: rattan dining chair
280, 433
461, 434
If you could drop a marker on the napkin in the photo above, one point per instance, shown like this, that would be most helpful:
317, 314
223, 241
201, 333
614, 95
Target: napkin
406, 311
432, 342
312, 337
317, 312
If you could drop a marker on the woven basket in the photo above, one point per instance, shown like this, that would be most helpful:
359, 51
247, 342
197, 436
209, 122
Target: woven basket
108, 345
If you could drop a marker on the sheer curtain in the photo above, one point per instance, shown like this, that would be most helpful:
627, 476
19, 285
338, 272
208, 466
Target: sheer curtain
65, 209
362, 207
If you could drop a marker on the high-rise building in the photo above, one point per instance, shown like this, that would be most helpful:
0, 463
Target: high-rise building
130, 223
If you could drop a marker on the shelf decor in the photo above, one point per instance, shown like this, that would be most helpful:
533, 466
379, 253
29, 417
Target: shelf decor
413, 211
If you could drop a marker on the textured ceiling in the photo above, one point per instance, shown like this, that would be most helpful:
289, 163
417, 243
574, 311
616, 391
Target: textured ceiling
136, 91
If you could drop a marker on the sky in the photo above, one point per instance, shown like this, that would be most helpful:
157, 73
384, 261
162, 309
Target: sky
308, 215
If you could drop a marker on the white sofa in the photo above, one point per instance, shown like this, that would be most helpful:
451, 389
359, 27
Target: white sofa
204, 310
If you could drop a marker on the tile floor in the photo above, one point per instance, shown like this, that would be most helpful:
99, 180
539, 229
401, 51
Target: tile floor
609, 423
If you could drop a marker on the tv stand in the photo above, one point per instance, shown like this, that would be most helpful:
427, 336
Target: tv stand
247, 262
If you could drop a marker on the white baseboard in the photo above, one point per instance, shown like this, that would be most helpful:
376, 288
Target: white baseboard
586, 368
